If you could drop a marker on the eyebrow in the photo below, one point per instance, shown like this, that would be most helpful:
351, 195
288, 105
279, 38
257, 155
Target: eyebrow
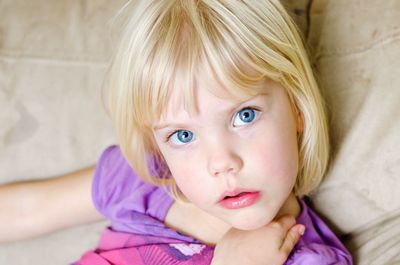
164, 125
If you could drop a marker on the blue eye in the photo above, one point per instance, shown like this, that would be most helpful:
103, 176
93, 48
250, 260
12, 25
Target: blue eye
245, 116
181, 137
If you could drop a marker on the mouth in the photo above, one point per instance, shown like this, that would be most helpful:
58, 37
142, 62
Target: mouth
238, 199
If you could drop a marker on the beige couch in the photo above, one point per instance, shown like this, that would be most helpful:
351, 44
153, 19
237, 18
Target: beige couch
53, 58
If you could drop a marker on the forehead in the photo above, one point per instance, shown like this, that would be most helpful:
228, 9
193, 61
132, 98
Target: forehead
204, 88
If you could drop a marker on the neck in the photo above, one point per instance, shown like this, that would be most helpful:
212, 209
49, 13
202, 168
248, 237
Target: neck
290, 207
207, 228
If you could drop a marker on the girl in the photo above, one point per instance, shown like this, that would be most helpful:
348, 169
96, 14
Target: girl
215, 103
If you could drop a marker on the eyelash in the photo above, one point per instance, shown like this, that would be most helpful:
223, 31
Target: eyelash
169, 135
172, 132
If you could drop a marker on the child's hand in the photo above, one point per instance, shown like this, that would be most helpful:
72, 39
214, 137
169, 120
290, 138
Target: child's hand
270, 244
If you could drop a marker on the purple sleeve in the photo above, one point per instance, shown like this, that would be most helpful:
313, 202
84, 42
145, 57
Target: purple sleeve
319, 245
121, 196
319, 254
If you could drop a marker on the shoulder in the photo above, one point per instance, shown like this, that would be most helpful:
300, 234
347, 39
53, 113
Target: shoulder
321, 254
113, 178
118, 192
319, 245
112, 171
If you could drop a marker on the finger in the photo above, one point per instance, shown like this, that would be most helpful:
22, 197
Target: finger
291, 239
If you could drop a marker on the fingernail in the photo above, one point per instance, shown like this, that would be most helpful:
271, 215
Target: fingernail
302, 229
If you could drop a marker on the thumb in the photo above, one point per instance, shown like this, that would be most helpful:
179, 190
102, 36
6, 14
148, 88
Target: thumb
292, 237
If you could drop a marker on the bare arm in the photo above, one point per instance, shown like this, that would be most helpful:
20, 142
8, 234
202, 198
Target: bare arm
34, 208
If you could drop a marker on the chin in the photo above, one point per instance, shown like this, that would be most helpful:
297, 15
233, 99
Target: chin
250, 222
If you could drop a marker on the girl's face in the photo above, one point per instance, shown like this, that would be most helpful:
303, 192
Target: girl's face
235, 158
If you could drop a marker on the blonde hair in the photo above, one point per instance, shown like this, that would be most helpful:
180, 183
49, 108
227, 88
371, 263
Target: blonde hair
221, 36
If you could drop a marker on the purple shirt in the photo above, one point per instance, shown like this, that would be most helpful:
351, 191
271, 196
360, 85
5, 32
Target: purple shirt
136, 207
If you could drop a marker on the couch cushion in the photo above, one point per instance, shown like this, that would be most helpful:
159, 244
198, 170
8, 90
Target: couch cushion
53, 58
357, 61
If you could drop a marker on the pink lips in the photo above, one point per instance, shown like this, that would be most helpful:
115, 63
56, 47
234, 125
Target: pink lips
238, 199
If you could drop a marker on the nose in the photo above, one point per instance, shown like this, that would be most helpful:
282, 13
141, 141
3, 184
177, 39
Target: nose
224, 161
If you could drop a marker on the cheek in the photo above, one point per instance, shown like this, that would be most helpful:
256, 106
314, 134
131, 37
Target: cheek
277, 160
186, 172
186, 169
